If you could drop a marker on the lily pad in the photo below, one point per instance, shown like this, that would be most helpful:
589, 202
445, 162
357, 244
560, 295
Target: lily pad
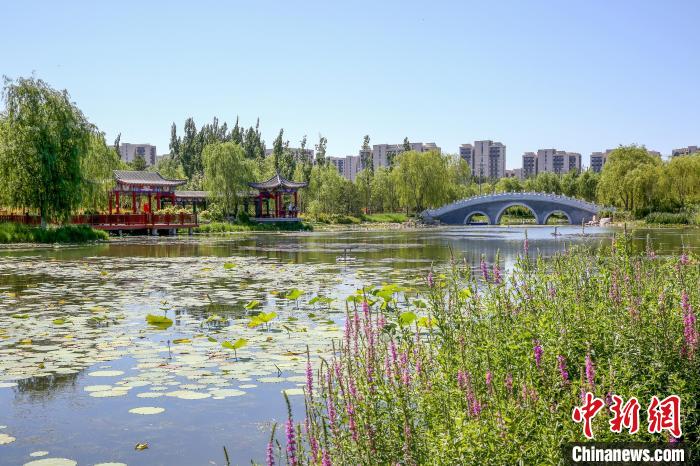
5, 439
146, 410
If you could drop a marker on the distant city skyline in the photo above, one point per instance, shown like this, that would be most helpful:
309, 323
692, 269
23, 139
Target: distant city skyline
584, 77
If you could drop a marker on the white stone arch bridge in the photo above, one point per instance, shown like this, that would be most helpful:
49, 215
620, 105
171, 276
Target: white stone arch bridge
492, 206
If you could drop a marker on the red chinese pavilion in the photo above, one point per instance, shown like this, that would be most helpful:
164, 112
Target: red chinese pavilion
141, 184
285, 195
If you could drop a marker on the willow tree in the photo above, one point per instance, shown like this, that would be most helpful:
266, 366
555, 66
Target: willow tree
227, 173
627, 177
422, 179
43, 140
97, 170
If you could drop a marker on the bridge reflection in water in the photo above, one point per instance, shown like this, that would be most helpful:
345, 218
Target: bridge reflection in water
492, 206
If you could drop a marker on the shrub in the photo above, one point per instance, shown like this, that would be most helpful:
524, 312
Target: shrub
17, 233
667, 218
488, 370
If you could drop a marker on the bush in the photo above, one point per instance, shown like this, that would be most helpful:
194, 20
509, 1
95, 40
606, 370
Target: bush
213, 213
489, 370
226, 227
667, 218
385, 218
17, 233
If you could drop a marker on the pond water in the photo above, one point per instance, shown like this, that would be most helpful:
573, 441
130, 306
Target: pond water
84, 377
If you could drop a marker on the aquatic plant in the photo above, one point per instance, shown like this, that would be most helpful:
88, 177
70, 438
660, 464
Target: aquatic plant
482, 373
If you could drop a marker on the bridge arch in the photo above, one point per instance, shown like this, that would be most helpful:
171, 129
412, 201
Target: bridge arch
477, 212
545, 217
497, 218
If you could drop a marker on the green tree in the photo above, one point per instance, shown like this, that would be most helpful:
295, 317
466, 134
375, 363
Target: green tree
545, 182
97, 170
138, 164
169, 167
43, 140
569, 183
383, 194
508, 185
329, 193
174, 142
366, 154
622, 179
321, 150
189, 148
237, 134
406, 144
422, 179
586, 185
682, 179
227, 173
363, 182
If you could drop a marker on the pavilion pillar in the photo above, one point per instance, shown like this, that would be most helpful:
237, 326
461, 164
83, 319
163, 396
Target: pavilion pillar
150, 211
118, 202
296, 203
133, 202
158, 201
110, 203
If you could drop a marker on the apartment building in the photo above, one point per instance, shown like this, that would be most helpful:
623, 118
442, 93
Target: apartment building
348, 166
685, 151
128, 152
383, 154
550, 160
486, 159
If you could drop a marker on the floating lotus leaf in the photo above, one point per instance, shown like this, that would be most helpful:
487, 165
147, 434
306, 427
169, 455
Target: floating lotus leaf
146, 410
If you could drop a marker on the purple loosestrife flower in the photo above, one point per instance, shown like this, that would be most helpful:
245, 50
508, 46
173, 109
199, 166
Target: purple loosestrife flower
462, 379
381, 322
484, 270
690, 331
351, 421
405, 370
590, 371
332, 414
392, 347
325, 458
489, 378
509, 382
561, 360
526, 245
684, 259
497, 274
387, 368
537, 350
270, 454
431, 281
291, 443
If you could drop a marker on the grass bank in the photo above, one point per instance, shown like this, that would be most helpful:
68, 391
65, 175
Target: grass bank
340, 219
487, 367
17, 233
225, 227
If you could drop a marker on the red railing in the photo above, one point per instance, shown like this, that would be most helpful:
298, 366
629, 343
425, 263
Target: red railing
110, 220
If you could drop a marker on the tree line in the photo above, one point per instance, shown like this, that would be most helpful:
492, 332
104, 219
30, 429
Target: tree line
55, 162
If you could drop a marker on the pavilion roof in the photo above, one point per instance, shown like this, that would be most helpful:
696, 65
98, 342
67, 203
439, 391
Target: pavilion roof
144, 178
278, 181
192, 194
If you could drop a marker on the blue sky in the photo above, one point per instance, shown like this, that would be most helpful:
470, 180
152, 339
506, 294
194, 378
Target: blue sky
578, 76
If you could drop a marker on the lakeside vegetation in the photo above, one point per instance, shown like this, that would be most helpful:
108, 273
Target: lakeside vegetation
486, 367
16, 233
